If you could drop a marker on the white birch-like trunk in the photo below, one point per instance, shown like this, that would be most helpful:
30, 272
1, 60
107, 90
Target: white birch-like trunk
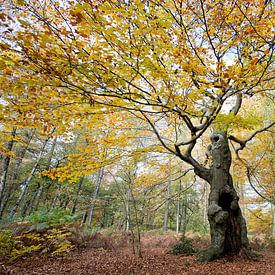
28, 180
127, 210
14, 173
167, 201
95, 193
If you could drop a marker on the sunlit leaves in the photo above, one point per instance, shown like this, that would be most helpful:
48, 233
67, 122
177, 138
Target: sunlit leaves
70, 64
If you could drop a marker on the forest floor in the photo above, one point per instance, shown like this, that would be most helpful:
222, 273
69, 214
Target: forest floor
155, 260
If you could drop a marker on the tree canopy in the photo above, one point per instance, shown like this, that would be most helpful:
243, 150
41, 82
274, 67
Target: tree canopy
178, 61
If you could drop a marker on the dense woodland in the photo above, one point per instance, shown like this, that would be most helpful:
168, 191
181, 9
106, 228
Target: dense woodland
154, 191
137, 116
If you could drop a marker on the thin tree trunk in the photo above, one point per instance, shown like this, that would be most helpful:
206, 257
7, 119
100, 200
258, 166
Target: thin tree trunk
28, 180
37, 197
54, 200
242, 198
127, 210
66, 202
3, 179
77, 195
104, 215
25, 208
84, 218
184, 217
41, 186
178, 210
205, 203
14, 173
135, 235
95, 193
178, 216
167, 201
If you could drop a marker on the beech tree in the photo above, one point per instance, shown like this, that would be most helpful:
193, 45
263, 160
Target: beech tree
181, 66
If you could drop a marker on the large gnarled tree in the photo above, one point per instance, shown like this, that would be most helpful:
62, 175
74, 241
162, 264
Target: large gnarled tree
189, 64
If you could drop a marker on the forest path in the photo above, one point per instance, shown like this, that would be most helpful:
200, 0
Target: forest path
154, 261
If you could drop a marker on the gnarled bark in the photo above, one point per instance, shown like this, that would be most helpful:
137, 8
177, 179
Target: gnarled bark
227, 225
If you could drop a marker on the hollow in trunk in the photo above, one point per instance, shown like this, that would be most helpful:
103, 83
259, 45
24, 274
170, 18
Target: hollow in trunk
227, 225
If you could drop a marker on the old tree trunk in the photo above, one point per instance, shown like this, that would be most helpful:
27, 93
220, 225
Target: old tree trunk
227, 225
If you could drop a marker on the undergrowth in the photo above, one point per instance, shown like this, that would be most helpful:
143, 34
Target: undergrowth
184, 246
53, 217
51, 242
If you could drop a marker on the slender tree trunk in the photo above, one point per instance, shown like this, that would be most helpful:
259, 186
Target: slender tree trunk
242, 199
98, 183
66, 202
183, 220
15, 172
28, 180
227, 225
84, 218
135, 230
205, 203
41, 185
178, 216
178, 210
55, 198
167, 201
25, 208
104, 219
37, 197
77, 195
127, 210
3, 179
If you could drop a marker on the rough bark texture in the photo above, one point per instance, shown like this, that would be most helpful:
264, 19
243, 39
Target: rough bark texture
227, 225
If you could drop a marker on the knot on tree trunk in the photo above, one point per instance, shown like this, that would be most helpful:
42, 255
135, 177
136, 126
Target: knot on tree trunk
213, 208
217, 213
221, 217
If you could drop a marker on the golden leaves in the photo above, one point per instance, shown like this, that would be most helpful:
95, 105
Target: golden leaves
79, 60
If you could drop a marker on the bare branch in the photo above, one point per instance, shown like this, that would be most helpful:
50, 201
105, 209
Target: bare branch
243, 143
237, 105
249, 173
158, 135
199, 169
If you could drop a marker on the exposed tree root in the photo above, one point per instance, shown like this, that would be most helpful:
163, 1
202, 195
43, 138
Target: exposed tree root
249, 254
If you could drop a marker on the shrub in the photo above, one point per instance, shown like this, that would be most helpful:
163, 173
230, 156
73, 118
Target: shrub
50, 242
82, 236
184, 247
270, 243
53, 242
6, 242
55, 217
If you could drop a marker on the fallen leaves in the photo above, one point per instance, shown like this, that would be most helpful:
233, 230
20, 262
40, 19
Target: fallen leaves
154, 261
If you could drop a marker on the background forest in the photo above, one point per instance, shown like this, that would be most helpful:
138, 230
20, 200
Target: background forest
84, 178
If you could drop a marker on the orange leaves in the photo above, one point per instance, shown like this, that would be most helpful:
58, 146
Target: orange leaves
74, 61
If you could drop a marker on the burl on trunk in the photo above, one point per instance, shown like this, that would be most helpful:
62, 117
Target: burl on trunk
227, 225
